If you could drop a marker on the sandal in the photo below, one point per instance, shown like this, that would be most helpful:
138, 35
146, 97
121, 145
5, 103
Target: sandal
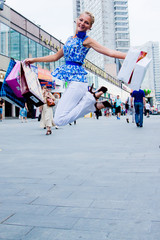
95, 93
48, 132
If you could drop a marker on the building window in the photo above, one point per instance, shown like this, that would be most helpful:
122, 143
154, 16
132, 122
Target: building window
46, 52
24, 47
4, 39
32, 49
40, 54
14, 44
122, 44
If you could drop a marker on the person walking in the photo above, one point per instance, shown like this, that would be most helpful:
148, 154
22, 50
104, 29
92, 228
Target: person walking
129, 110
147, 108
77, 101
56, 96
139, 104
1, 108
46, 121
23, 113
118, 107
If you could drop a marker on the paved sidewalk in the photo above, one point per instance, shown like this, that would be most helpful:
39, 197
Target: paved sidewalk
97, 180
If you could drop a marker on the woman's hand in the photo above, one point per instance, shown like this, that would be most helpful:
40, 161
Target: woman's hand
29, 61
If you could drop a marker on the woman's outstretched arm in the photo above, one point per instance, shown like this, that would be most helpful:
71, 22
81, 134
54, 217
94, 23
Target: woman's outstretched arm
91, 43
49, 58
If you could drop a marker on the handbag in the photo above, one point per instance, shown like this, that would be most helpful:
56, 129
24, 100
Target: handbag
13, 80
30, 86
7, 93
50, 102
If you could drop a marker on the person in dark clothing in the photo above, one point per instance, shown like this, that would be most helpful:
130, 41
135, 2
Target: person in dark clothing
139, 103
1, 108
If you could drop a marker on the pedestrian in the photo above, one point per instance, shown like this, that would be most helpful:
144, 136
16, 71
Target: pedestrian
77, 101
23, 113
118, 107
1, 108
147, 108
56, 96
46, 121
107, 112
130, 111
139, 103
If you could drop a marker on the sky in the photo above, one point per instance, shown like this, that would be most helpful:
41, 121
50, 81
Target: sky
56, 17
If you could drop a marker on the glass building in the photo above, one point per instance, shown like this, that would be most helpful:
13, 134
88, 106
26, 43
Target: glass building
18, 46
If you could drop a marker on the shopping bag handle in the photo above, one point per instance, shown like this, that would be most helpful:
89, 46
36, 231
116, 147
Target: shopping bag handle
26, 64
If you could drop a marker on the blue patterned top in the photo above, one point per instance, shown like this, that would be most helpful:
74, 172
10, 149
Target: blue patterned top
74, 51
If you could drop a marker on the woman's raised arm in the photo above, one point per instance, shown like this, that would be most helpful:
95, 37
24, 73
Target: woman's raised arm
89, 42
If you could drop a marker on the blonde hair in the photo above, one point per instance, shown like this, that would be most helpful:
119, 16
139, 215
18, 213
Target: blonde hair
91, 16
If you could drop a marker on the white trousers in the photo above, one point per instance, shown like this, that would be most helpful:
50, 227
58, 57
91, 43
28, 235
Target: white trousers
74, 103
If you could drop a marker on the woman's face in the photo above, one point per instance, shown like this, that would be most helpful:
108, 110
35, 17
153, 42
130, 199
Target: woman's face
83, 23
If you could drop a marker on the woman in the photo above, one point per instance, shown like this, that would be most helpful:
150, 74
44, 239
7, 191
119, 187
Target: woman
77, 100
23, 113
47, 112
129, 110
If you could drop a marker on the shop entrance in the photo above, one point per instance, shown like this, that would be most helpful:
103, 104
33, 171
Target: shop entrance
8, 109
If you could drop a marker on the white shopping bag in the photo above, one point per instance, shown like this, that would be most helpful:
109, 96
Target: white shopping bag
139, 73
129, 63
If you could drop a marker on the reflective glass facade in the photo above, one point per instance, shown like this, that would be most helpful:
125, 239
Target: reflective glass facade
4, 39
15, 45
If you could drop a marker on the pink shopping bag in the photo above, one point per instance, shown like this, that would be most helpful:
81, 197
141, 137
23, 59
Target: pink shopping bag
30, 86
13, 80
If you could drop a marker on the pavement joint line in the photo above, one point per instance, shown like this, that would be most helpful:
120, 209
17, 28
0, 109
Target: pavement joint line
7, 218
30, 203
30, 231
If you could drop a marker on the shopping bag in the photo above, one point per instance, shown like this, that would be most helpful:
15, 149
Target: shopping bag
139, 73
30, 86
6, 92
127, 69
13, 80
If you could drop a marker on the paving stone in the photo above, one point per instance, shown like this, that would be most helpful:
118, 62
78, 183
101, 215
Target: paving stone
25, 209
11, 232
50, 234
41, 221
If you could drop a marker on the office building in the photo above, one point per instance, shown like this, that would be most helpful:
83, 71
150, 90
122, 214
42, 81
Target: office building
152, 78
